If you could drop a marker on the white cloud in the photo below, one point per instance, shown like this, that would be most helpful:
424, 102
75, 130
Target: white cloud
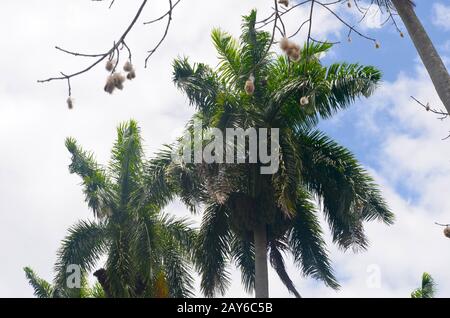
441, 15
368, 15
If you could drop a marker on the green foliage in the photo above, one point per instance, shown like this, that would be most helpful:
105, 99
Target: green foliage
428, 288
43, 289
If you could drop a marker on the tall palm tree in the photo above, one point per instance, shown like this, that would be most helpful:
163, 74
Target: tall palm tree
250, 217
147, 252
428, 288
427, 52
44, 289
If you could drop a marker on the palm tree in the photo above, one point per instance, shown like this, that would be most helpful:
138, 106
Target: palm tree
147, 253
43, 289
250, 217
427, 52
428, 288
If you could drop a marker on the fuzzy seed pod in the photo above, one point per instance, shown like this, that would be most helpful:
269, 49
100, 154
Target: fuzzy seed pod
284, 2
119, 79
131, 75
109, 65
349, 39
292, 48
377, 45
70, 102
304, 100
293, 52
110, 85
295, 56
284, 44
249, 86
447, 232
128, 67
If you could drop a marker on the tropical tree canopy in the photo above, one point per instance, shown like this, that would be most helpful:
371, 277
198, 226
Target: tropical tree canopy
312, 167
148, 253
427, 289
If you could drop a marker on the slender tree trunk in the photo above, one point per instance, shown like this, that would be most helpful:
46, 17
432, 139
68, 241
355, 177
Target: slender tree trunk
430, 57
261, 273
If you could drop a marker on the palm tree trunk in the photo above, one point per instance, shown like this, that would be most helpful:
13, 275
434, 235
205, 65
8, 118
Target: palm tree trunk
261, 273
430, 57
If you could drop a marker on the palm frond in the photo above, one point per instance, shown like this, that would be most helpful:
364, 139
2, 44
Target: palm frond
212, 250
85, 244
277, 262
243, 254
97, 291
95, 180
198, 82
427, 289
255, 55
346, 83
348, 193
42, 288
157, 188
178, 272
126, 162
229, 55
180, 231
307, 245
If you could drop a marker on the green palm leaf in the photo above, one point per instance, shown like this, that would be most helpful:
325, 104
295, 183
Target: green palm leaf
349, 195
42, 288
212, 249
85, 244
428, 288
243, 254
307, 245
95, 180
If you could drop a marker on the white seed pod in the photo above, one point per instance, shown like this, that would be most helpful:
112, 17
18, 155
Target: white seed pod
284, 2
69, 102
110, 85
250, 86
109, 65
131, 75
118, 79
304, 100
447, 232
128, 67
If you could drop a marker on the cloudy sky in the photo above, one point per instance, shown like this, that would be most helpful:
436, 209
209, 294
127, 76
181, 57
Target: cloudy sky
398, 142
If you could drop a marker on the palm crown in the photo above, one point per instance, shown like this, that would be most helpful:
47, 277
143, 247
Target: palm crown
147, 253
239, 202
